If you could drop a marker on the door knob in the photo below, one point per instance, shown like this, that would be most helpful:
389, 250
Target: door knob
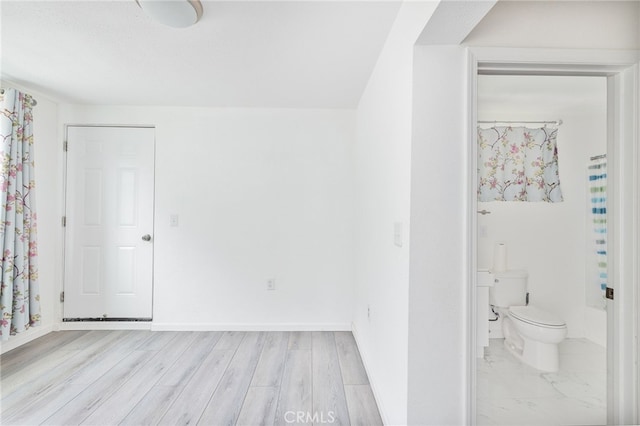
146, 237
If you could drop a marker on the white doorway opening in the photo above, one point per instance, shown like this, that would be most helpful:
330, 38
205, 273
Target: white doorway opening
553, 243
621, 71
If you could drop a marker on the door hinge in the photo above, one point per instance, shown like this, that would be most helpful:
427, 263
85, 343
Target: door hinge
64, 221
609, 293
62, 297
65, 146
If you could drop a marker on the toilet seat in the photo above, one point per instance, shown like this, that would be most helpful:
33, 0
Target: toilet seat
535, 316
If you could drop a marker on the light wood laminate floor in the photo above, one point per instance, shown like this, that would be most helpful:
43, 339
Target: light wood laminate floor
173, 378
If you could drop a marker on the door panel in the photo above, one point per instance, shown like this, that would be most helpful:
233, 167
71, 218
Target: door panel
109, 207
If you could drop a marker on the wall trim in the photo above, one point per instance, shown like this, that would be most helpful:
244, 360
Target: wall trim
104, 325
471, 252
250, 327
34, 333
372, 382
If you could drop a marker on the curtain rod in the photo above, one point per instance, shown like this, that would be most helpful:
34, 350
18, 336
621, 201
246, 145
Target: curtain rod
34, 102
557, 122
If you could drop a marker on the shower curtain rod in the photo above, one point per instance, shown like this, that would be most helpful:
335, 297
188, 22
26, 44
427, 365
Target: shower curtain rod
557, 122
34, 101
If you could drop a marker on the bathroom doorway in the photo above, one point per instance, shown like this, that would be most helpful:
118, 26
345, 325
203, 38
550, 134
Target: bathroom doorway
622, 72
554, 243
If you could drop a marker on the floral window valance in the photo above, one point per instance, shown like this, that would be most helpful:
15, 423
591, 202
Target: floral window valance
518, 164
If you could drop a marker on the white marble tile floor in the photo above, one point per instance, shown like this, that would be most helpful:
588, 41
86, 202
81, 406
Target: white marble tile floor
511, 393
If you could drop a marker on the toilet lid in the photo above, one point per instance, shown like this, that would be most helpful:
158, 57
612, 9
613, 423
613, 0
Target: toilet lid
533, 315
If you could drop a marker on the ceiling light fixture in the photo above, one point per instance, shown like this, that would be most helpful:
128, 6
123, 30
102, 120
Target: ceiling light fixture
174, 13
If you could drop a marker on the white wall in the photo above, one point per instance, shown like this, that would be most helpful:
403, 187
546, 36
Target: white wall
560, 24
438, 369
552, 241
439, 265
48, 153
260, 193
382, 166
48, 173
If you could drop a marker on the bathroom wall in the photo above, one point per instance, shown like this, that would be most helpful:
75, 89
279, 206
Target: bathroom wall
550, 240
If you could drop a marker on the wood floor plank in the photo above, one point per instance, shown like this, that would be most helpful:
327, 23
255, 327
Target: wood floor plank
99, 359
353, 372
41, 387
36, 370
105, 360
91, 338
259, 408
32, 352
230, 340
225, 405
213, 378
363, 410
300, 340
97, 392
39, 409
119, 404
296, 389
148, 410
191, 359
157, 340
51, 366
328, 391
190, 404
269, 369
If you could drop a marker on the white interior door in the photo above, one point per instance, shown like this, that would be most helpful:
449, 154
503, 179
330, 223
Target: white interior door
109, 223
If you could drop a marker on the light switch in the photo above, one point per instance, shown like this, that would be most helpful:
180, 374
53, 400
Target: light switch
397, 234
173, 220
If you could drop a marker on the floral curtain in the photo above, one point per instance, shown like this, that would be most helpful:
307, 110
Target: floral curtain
518, 164
19, 297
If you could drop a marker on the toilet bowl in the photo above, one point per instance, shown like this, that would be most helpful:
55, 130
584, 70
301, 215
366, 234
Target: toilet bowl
531, 334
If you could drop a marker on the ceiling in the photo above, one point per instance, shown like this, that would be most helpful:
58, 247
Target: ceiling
297, 54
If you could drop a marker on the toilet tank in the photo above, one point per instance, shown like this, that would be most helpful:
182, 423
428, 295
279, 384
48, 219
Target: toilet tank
509, 289
485, 278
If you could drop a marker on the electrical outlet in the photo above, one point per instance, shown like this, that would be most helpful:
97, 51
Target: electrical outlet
369, 312
271, 284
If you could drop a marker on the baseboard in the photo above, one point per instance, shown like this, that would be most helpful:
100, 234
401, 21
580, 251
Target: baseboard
372, 380
35, 332
250, 327
105, 325
25, 337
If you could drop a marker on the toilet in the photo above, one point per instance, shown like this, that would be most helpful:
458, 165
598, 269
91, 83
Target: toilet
531, 334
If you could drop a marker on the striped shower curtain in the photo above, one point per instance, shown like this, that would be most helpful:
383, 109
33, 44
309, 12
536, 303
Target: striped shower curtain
598, 202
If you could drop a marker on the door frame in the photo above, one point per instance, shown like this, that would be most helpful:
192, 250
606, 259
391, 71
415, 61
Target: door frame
622, 69
92, 325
